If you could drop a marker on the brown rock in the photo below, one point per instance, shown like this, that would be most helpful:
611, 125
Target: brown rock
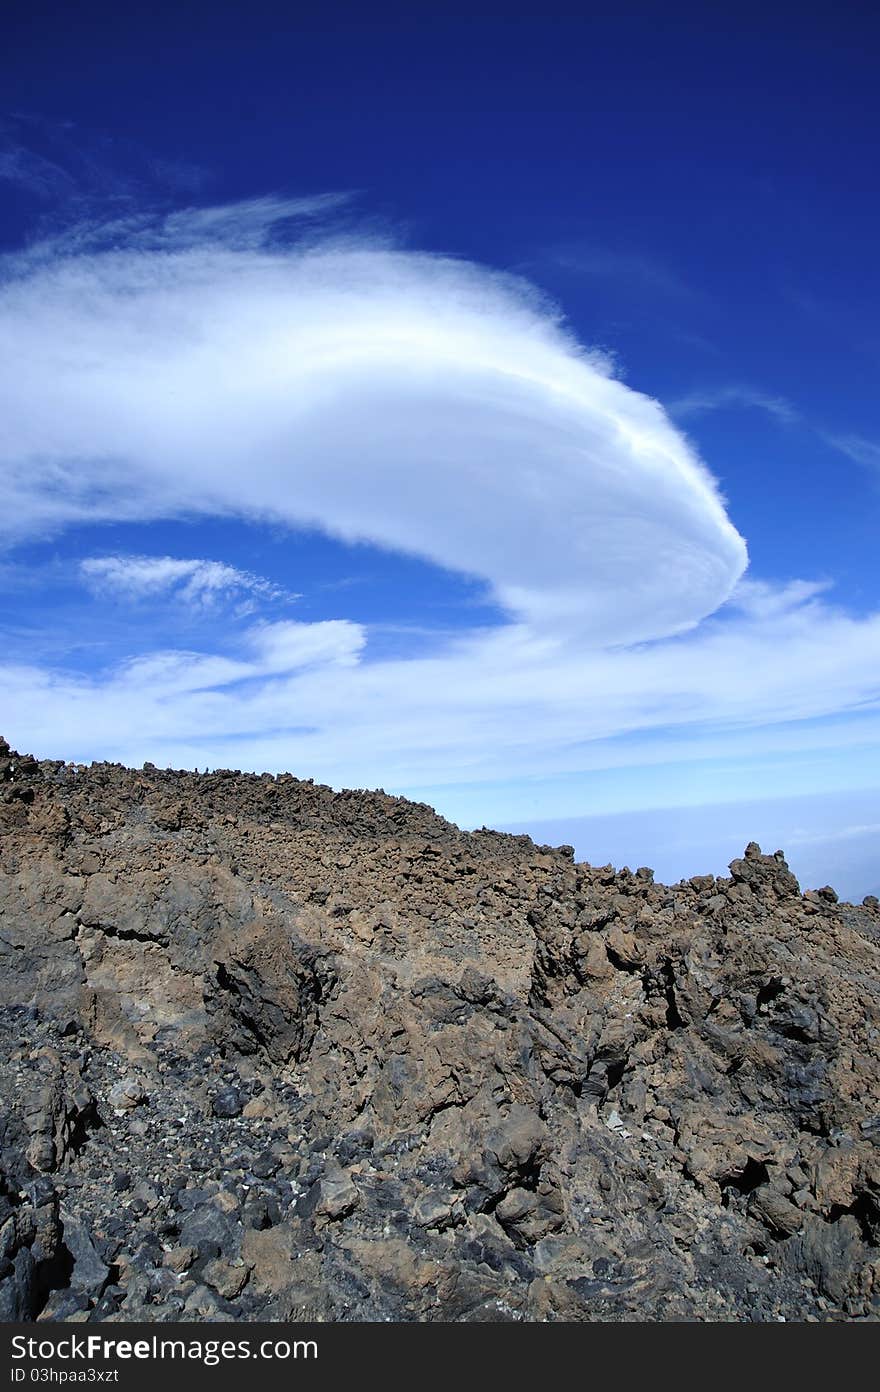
449, 1042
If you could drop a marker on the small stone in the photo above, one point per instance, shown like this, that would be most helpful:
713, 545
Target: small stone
145, 1197
227, 1280
255, 1214
338, 1194
180, 1258
227, 1103
225, 1201
257, 1107
433, 1210
126, 1094
205, 1304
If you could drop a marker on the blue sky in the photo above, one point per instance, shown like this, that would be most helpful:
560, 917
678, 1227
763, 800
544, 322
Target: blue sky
478, 402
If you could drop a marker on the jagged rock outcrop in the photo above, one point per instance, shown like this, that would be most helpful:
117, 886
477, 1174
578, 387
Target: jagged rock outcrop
274, 1052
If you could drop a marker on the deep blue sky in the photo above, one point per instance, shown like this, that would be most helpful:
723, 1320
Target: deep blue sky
695, 187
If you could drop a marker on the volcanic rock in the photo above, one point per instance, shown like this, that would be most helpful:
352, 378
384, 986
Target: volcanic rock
272, 1052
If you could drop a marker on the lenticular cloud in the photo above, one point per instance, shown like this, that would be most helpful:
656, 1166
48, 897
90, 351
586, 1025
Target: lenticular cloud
412, 401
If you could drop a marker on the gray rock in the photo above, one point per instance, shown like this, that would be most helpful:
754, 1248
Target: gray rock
228, 1103
89, 1273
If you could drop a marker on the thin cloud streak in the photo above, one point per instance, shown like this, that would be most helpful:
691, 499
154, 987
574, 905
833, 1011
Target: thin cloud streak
856, 448
199, 583
698, 403
647, 272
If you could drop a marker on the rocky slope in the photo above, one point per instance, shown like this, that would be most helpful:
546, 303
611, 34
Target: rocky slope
271, 1052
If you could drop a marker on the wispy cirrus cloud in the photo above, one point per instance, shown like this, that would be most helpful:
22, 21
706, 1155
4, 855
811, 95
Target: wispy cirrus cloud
647, 273
69, 167
761, 600
63, 168
199, 583
238, 227
33, 172
701, 401
856, 447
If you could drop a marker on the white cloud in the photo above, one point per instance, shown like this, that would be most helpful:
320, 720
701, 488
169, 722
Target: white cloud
857, 448
489, 707
860, 450
239, 227
762, 600
199, 583
413, 401
697, 403
157, 680
647, 273
423, 405
32, 172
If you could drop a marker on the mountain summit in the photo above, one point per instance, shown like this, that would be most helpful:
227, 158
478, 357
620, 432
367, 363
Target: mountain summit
275, 1052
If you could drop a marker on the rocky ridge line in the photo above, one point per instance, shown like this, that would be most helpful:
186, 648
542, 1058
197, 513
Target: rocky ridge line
274, 1052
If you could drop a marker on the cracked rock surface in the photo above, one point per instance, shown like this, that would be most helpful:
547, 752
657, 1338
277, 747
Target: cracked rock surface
273, 1052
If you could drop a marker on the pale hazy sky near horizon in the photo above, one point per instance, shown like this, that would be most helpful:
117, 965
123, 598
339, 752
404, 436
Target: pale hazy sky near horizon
476, 403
